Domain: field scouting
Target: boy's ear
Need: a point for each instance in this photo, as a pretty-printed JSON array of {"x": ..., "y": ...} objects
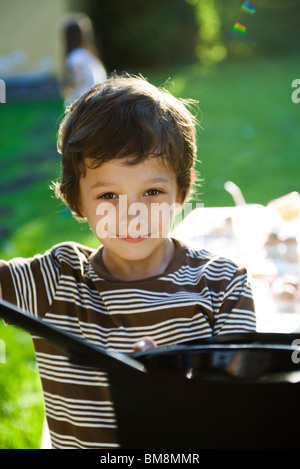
[
  {"x": 181, "y": 196},
  {"x": 81, "y": 211},
  {"x": 193, "y": 177},
  {"x": 80, "y": 207}
]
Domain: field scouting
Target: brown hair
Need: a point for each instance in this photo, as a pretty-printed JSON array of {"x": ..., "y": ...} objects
[
  {"x": 125, "y": 116},
  {"x": 77, "y": 32}
]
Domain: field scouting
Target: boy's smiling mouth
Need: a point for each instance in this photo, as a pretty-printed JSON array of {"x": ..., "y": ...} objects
[{"x": 134, "y": 239}]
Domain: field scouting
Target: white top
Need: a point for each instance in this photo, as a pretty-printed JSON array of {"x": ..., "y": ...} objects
[{"x": 84, "y": 70}]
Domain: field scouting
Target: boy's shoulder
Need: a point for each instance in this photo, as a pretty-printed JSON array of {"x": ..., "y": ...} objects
[
  {"x": 202, "y": 263},
  {"x": 202, "y": 256},
  {"x": 70, "y": 252},
  {"x": 71, "y": 246}
]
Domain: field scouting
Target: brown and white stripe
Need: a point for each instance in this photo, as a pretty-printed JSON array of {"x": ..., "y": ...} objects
[{"x": 199, "y": 295}]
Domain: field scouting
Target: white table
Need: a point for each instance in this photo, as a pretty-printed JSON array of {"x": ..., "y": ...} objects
[{"x": 239, "y": 234}]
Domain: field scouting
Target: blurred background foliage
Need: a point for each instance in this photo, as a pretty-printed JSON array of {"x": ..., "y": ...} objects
[{"x": 159, "y": 33}]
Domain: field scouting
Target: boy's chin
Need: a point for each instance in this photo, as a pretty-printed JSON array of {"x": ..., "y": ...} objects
[{"x": 132, "y": 247}]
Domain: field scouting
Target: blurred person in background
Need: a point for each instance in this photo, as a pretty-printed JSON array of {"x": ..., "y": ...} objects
[{"x": 82, "y": 64}]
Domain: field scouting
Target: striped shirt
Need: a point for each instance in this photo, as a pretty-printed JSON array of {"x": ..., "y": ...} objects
[{"x": 198, "y": 296}]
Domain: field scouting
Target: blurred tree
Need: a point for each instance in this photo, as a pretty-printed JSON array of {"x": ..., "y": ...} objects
[
  {"x": 210, "y": 47},
  {"x": 155, "y": 33},
  {"x": 139, "y": 33},
  {"x": 271, "y": 27},
  {"x": 275, "y": 28}
]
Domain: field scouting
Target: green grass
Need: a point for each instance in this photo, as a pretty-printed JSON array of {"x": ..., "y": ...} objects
[
  {"x": 33, "y": 220},
  {"x": 251, "y": 136},
  {"x": 21, "y": 409},
  {"x": 251, "y": 127}
]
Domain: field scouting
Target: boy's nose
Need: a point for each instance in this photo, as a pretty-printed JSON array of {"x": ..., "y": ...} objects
[
  {"x": 133, "y": 199},
  {"x": 130, "y": 206},
  {"x": 132, "y": 210}
]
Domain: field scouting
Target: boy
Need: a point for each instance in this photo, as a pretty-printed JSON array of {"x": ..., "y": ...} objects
[{"x": 126, "y": 147}]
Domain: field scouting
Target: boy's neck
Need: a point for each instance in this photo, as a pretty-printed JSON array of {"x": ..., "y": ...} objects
[{"x": 126, "y": 270}]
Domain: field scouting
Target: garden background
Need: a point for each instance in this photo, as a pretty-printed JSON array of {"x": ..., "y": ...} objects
[{"x": 237, "y": 59}]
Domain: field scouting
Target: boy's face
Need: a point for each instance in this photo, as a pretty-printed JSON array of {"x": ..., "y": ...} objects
[{"x": 130, "y": 208}]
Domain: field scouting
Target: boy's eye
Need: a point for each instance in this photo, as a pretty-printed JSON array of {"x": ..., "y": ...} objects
[
  {"x": 152, "y": 192},
  {"x": 108, "y": 196}
]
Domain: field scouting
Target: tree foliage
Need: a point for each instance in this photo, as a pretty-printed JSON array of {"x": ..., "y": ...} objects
[
  {"x": 155, "y": 33},
  {"x": 139, "y": 33}
]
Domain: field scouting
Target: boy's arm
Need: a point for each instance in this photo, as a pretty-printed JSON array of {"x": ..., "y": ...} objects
[
  {"x": 237, "y": 311},
  {"x": 23, "y": 284},
  {"x": 8, "y": 285}
]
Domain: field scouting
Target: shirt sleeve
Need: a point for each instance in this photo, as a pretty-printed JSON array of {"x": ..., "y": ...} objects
[
  {"x": 29, "y": 283},
  {"x": 236, "y": 313}
]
